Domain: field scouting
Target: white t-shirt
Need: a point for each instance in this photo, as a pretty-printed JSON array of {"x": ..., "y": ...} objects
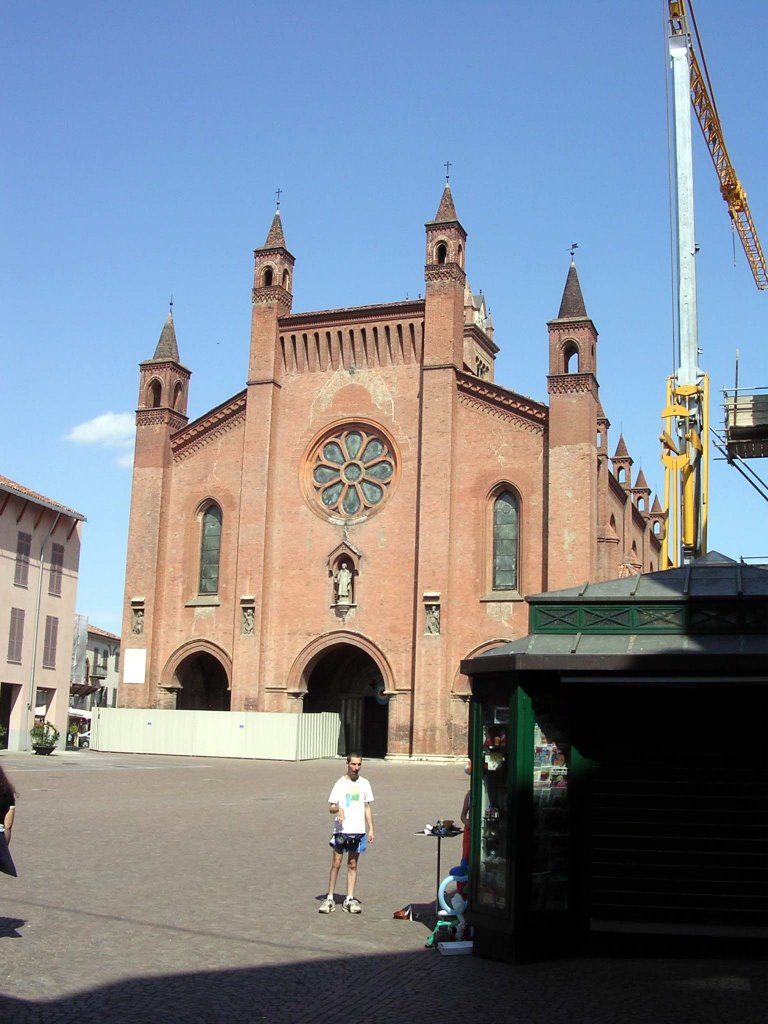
[{"x": 352, "y": 798}]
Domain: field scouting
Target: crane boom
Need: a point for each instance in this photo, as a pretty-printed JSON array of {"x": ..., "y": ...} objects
[{"x": 709, "y": 121}]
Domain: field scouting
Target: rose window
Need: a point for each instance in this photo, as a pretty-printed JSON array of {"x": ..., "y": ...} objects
[{"x": 352, "y": 471}]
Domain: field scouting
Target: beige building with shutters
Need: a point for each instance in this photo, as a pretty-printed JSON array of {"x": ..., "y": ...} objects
[{"x": 39, "y": 562}]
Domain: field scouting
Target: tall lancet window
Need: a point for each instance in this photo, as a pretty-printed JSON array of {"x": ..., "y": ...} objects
[
  {"x": 505, "y": 533},
  {"x": 210, "y": 549}
]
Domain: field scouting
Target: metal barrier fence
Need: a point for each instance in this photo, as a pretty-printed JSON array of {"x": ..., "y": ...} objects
[{"x": 249, "y": 734}]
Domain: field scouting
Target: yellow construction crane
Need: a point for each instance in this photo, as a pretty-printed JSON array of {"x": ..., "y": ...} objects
[
  {"x": 705, "y": 108},
  {"x": 685, "y": 437}
]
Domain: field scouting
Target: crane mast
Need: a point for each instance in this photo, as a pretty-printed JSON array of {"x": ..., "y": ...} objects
[{"x": 684, "y": 438}]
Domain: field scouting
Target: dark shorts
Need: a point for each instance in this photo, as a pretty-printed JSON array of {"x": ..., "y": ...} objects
[
  {"x": 348, "y": 842},
  {"x": 6, "y": 861}
]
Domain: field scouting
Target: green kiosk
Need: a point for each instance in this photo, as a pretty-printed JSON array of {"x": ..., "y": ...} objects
[{"x": 620, "y": 779}]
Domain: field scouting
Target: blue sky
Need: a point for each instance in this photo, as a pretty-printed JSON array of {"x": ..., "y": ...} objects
[{"x": 144, "y": 142}]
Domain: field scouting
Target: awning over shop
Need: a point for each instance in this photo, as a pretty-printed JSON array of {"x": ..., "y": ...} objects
[
  {"x": 79, "y": 713},
  {"x": 84, "y": 689}
]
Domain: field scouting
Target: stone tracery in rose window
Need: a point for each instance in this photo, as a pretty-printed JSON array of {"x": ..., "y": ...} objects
[{"x": 352, "y": 471}]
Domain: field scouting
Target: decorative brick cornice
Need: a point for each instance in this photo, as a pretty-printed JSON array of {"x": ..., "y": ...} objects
[
  {"x": 571, "y": 383},
  {"x": 444, "y": 227},
  {"x": 406, "y": 310},
  {"x": 567, "y": 324},
  {"x": 161, "y": 417},
  {"x": 199, "y": 433},
  {"x": 497, "y": 412},
  {"x": 263, "y": 255},
  {"x": 493, "y": 399},
  {"x": 444, "y": 272},
  {"x": 272, "y": 295},
  {"x": 151, "y": 366}
]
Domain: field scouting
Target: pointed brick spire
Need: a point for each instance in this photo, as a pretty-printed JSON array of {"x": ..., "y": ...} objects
[
  {"x": 572, "y": 304},
  {"x": 446, "y": 211},
  {"x": 167, "y": 349},
  {"x": 656, "y": 508},
  {"x": 275, "y": 238},
  {"x": 641, "y": 482},
  {"x": 621, "y": 449}
]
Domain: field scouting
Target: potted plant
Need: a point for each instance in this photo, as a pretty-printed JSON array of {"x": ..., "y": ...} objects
[{"x": 44, "y": 737}]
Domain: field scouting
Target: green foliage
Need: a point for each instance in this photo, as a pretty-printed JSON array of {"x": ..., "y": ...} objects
[{"x": 44, "y": 734}]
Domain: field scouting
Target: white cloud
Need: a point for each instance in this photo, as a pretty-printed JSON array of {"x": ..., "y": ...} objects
[{"x": 110, "y": 430}]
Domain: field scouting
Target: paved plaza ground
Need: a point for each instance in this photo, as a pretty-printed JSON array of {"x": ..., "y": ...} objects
[{"x": 156, "y": 889}]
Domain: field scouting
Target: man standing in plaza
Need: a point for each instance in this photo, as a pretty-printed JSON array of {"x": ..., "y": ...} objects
[{"x": 350, "y": 803}]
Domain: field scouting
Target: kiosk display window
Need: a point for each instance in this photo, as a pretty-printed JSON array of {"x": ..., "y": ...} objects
[
  {"x": 492, "y": 888},
  {"x": 549, "y": 879}
]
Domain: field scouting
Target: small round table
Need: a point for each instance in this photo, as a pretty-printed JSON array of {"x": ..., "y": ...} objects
[{"x": 440, "y": 834}]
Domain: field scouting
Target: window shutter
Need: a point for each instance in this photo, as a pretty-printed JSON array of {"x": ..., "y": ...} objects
[
  {"x": 23, "y": 550},
  {"x": 57, "y": 566},
  {"x": 51, "y": 637},
  {"x": 16, "y": 635}
]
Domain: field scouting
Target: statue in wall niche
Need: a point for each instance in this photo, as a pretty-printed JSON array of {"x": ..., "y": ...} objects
[
  {"x": 432, "y": 618},
  {"x": 343, "y": 581},
  {"x": 137, "y": 626},
  {"x": 249, "y": 617}
]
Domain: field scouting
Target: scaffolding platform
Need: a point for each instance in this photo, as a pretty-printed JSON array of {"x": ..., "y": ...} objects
[{"x": 746, "y": 424}]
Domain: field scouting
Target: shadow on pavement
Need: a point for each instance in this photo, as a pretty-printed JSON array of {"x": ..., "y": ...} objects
[
  {"x": 423, "y": 987},
  {"x": 9, "y": 927}
]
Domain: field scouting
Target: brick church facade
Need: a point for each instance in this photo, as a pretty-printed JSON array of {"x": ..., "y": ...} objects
[{"x": 369, "y": 510}]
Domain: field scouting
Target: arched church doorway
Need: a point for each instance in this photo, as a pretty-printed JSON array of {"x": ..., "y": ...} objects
[
  {"x": 202, "y": 682},
  {"x": 346, "y": 680}
]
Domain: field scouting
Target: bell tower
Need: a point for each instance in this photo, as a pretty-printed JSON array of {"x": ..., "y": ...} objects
[
  {"x": 272, "y": 297},
  {"x": 162, "y": 410},
  {"x": 164, "y": 382},
  {"x": 574, "y": 405},
  {"x": 445, "y": 279},
  {"x": 572, "y": 335},
  {"x": 443, "y": 356}
]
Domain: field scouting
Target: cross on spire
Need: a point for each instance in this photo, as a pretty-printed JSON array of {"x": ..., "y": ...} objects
[
  {"x": 278, "y": 193},
  {"x": 574, "y": 247},
  {"x": 447, "y": 166},
  {"x": 170, "y": 310}
]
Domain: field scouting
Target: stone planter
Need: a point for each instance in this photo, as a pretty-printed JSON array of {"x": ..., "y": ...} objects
[{"x": 42, "y": 750}]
